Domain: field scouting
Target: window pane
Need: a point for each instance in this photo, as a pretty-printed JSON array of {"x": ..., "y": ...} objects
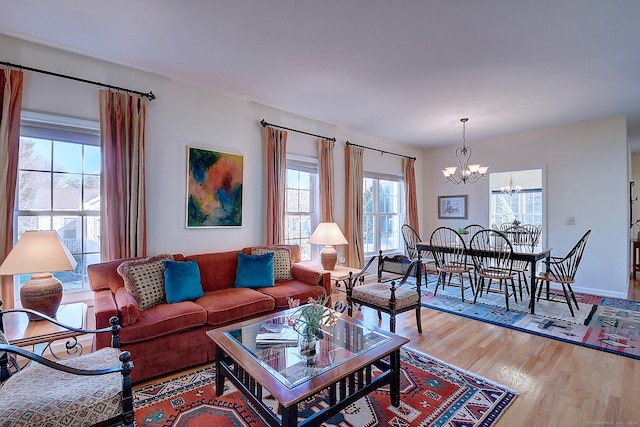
[
  {"x": 369, "y": 191},
  {"x": 91, "y": 195},
  {"x": 67, "y": 157},
  {"x": 34, "y": 190},
  {"x": 67, "y": 191},
  {"x": 35, "y": 154},
  {"x": 304, "y": 201},
  {"x": 92, "y": 159},
  {"x": 292, "y": 200},
  {"x": 92, "y": 233},
  {"x": 369, "y": 233},
  {"x": 26, "y": 223}
]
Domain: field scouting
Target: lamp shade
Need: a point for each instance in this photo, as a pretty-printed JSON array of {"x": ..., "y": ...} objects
[
  {"x": 39, "y": 253},
  {"x": 328, "y": 233}
]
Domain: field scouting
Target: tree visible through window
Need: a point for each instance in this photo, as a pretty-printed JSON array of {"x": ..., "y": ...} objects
[
  {"x": 59, "y": 189},
  {"x": 300, "y": 216},
  {"x": 382, "y": 206}
]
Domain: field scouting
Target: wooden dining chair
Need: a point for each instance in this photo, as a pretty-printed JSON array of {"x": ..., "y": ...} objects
[
  {"x": 449, "y": 252},
  {"x": 491, "y": 262},
  {"x": 525, "y": 238},
  {"x": 562, "y": 270},
  {"x": 411, "y": 238}
]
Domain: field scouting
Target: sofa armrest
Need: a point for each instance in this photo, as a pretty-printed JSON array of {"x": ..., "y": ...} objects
[
  {"x": 312, "y": 276},
  {"x": 104, "y": 308},
  {"x": 127, "y": 307}
]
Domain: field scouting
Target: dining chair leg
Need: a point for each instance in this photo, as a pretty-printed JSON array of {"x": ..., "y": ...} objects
[
  {"x": 461, "y": 287},
  {"x": 380, "y": 316},
  {"x": 573, "y": 296},
  {"x": 506, "y": 294},
  {"x": 392, "y": 323},
  {"x": 568, "y": 298},
  {"x": 419, "y": 320},
  {"x": 513, "y": 287}
]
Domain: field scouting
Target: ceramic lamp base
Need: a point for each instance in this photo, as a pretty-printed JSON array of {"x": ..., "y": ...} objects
[
  {"x": 328, "y": 257},
  {"x": 43, "y": 293}
]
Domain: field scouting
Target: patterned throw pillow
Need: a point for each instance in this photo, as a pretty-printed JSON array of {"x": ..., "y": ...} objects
[
  {"x": 144, "y": 279},
  {"x": 281, "y": 260}
]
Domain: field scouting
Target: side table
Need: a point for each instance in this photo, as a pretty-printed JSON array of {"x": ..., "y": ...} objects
[
  {"x": 339, "y": 275},
  {"x": 22, "y": 333}
]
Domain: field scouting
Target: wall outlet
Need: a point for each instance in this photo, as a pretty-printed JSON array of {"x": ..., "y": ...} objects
[{"x": 570, "y": 220}]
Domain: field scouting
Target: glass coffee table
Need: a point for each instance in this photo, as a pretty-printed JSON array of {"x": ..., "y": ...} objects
[{"x": 342, "y": 366}]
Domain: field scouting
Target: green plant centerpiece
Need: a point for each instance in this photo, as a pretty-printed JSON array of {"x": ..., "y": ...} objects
[
  {"x": 309, "y": 320},
  {"x": 515, "y": 223},
  {"x": 462, "y": 231}
]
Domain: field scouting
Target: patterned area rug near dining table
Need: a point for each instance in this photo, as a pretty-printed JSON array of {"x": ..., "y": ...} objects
[
  {"x": 603, "y": 323},
  {"x": 433, "y": 393}
]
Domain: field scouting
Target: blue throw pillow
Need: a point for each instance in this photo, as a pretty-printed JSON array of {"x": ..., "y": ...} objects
[
  {"x": 182, "y": 281},
  {"x": 255, "y": 271}
]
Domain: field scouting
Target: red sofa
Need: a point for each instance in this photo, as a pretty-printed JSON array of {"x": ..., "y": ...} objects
[{"x": 169, "y": 337}]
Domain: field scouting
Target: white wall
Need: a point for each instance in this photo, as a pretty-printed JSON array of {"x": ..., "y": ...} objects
[
  {"x": 185, "y": 115},
  {"x": 586, "y": 177}
]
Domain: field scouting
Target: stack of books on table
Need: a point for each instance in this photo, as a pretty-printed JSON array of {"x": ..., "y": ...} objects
[{"x": 271, "y": 334}]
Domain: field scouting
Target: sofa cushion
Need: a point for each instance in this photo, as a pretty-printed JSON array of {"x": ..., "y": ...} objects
[
  {"x": 144, "y": 279},
  {"x": 254, "y": 271},
  {"x": 294, "y": 289},
  {"x": 182, "y": 281},
  {"x": 232, "y": 304},
  {"x": 217, "y": 270},
  {"x": 281, "y": 260},
  {"x": 164, "y": 319}
]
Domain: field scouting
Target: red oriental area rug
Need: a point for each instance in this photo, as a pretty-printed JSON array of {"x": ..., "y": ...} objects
[{"x": 432, "y": 393}]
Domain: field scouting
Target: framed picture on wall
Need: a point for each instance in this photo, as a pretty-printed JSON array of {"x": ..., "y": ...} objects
[
  {"x": 452, "y": 207},
  {"x": 214, "y": 188}
]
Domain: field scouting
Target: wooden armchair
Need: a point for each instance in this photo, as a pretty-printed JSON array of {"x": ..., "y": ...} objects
[
  {"x": 92, "y": 389},
  {"x": 389, "y": 297}
]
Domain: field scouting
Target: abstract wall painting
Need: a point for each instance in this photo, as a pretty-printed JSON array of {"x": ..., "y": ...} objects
[{"x": 214, "y": 188}]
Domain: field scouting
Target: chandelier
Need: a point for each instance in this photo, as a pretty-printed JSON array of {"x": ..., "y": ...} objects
[
  {"x": 467, "y": 173},
  {"x": 510, "y": 189}
]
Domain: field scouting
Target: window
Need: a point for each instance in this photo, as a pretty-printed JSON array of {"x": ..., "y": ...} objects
[
  {"x": 525, "y": 206},
  {"x": 383, "y": 201},
  {"x": 301, "y": 217},
  {"x": 59, "y": 189}
]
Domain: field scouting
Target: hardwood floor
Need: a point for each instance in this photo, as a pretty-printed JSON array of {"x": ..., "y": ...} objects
[{"x": 559, "y": 384}]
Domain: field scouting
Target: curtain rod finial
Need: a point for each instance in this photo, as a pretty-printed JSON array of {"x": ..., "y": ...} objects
[{"x": 263, "y": 123}]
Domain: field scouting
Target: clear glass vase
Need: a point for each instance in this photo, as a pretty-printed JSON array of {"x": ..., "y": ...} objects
[{"x": 307, "y": 345}]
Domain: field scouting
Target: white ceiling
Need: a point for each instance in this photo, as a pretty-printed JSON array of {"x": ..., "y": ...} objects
[{"x": 403, "y": 70}]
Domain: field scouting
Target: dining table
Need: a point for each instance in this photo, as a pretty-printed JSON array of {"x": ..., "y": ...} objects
[{"x": 520, "y": 253}]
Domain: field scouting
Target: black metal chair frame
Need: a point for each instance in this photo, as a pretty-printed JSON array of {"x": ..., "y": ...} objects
[
  {"x": 8, "y": 353},
  {"x": 391, "y": 308}
]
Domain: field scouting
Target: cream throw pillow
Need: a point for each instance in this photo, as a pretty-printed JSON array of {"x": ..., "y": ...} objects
[
  {"x": 144, "y": 279},
  {"x": 281, "y": 261}
]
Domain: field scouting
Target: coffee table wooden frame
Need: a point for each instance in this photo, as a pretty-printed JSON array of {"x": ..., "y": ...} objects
[{"x": 348, "y": 381}]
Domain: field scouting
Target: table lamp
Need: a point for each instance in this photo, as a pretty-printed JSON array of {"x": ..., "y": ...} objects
[
  {"x": 39, "y": 253},
  {"x": 329, "y": 235}
]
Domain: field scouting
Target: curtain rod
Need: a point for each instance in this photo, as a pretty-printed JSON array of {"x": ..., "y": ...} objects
[
  {"x": 149, "y": 95},
  {"x": 265, "y": 124},
  {"x": 380, "y": 151}
]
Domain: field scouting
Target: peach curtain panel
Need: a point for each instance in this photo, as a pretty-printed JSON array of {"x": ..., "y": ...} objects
[
  {"x": 411, "y": 194},
  {"x": 11, "y": 101},
  {"x": 123, "y": 210},
  {"x": 354, "y": 200},
  {"x": 326, "y": 171},
  {"x": 275, "y": 150}
]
